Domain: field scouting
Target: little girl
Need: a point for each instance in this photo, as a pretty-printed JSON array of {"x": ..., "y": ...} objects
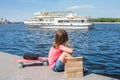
[{"x": 59, "y": 51}]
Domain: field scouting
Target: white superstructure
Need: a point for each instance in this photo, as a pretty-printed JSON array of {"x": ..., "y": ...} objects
[{"x": 62, "y": 19}]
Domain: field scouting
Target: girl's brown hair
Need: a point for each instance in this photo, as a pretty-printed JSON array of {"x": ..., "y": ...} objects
[{"x": 61, "y": 37}]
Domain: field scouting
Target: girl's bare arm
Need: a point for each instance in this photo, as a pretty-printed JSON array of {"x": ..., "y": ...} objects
[{"x": 67, "y": 49}]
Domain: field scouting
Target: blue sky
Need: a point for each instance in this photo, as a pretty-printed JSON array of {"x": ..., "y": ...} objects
[{"x": 19, "y": 10}]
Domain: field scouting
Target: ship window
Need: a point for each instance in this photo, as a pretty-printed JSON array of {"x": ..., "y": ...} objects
[
  {"x": 60, "y": 21},
  {"x": 75, "y": 21},
  {"x": 40, "y": 19},
  {"x": 82, "y": 21}
]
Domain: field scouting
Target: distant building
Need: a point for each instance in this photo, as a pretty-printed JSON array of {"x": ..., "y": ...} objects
[{"x": 4, "y": 21}]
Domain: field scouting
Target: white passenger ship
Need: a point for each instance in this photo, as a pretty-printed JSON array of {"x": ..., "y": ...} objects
[{"x": 61, "y": 19}]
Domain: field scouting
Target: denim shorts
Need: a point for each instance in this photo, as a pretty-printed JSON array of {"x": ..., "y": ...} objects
[{"x": 59, "y": 66}]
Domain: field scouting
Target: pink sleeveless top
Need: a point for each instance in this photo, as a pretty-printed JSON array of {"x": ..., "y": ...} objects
[{"x": 54, "y": 54}]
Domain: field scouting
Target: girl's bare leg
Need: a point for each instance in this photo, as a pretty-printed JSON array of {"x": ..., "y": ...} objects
[{"x": 63, "y": 57}]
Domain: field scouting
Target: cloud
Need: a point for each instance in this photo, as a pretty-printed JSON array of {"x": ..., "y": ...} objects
[{"x": 83, "y": 7}]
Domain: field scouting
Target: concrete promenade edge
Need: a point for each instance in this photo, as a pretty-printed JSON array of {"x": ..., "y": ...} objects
[{"x": 9, "y": 71}]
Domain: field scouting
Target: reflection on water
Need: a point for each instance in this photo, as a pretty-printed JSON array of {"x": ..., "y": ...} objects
[{"x": 99, "y": 46}]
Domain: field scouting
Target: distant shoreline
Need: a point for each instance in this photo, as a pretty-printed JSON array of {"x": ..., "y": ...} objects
[
  {"x": 106, "y": 22},
  {"x": 93, "y": 22},
  {"x": 13, "y": 23}
]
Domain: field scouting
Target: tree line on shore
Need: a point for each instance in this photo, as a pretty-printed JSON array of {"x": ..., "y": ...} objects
[{"x": 105, "y": 20}]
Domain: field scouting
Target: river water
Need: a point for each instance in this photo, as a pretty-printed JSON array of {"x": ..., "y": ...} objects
[{"x": 99, "y": 46}]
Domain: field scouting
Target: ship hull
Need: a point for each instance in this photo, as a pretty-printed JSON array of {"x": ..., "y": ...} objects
[{"x": 61, "y": 26}]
